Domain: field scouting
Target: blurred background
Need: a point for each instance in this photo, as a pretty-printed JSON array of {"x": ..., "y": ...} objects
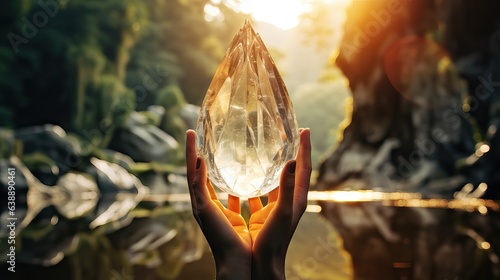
[{"x": 402, "y": 98}]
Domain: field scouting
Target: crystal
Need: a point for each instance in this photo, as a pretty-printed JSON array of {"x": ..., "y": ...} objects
[{"x": 247, "y": 129}]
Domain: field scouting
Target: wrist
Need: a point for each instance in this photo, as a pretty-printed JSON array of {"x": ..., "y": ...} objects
[
  {"x": 233, "y": 265},
  {"x": 272, "y": 268}
]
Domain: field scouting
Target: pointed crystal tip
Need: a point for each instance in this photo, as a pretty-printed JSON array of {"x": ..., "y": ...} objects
[
  {"x": 247, "y": 129},
  {"x": 247, "y": 25}
]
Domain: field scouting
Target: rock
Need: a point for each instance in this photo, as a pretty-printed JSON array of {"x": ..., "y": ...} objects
[
  {"x": 20, "y": 188},
  {"x": 121, "y": 192},
  {"x": 156, "y": 112},
  {"x": 80, "y": 192},
  {"x": 144, "y": 142},
  {"x": 53, "y": 236},
  {"x": 51, "y": 141},
  {"x": 189, "y": 114},
  {"x": 411, "y": 131}
]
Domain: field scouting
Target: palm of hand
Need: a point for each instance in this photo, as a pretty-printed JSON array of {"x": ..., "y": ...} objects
[
  {"x": 261, "y": 245},
  {"x": 248, "y": 234},
  {"x": 238, "y": 224},
  {"x": 258, "y": 220}
]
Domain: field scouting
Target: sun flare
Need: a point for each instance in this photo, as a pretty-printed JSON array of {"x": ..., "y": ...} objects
[{"x": 282, "y": 13}]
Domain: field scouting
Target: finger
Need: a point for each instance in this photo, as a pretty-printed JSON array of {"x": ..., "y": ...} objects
[
  {"x": 273, "y": 195},
  {"x": 214, "y": 197},
  {"x": 255, "y": 204},
  {"x": 213, "y": 194},
  {"x": 191, "y": 155},
  {"x": 199, "y": 186},
  {"x": 233, "y": 203},
  {"x": 286, "y": 189},
  {"x": 303, "y": 170},
  {"x": 191, "y": 190}
]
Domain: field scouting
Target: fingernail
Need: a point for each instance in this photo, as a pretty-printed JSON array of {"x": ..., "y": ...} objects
[
  {"x": 291, "y": 167},
  {"x": 308, "y": 132},
  {"x": 198, "y": 162}
]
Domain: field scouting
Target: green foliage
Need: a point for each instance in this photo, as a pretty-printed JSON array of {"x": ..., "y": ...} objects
[
  {"x": 58, "y": 64},
  {"x": 54, "y": 70},
  {"x": 319, "y": 23},
  {"x": 178, "y": 46},
  {"x": 172, "y": 99},
  {"x": 11, "y": 95},
  {"x": 320, "y": 107},
  {"x": 110, "y": 103},
  {"x": 11, "y": 11}
]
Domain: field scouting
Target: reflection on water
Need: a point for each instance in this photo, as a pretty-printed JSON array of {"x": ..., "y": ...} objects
[
  {"x": 95, "y": 225},
  {"x": 107, "y": 225},
  {"x": 399, "y": 199},
  {"x": 416, "y": 238}
]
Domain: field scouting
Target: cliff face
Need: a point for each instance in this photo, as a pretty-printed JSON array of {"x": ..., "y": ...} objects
[
  {"x": 425, "y": 80},
  {"x": 423, "y": 75}
]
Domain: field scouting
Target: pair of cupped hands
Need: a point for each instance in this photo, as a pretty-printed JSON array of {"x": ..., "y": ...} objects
[{"x": 256, "y": 250}]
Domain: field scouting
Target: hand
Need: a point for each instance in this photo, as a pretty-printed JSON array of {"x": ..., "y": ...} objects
[
  {"x": 224, "y": 228},
  {"x": 260, "y": 251},
  {"x": 272, "y": 227}
]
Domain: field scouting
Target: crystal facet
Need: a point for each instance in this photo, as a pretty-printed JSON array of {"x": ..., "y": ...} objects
[{"x": 247, "y": 129}]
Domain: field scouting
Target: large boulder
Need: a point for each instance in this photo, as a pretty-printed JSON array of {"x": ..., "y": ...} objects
[{"x": 425, "y": 82}]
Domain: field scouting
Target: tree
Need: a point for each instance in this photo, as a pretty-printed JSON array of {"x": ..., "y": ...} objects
[{"x": 178, "y": 46}]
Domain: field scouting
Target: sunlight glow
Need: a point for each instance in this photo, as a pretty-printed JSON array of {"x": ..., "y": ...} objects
[
  {"x": 311, "y": 208},
  {"x": 282, "y": 13},
  {"x": 211, "y": 12},
  {"x": 485, "y": 245}
]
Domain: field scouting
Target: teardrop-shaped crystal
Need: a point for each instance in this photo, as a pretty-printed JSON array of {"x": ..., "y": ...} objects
[{"x": 247, "y": 129}]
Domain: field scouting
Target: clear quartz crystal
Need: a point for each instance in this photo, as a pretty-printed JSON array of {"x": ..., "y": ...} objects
[{"x": 247, "y": 129}]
